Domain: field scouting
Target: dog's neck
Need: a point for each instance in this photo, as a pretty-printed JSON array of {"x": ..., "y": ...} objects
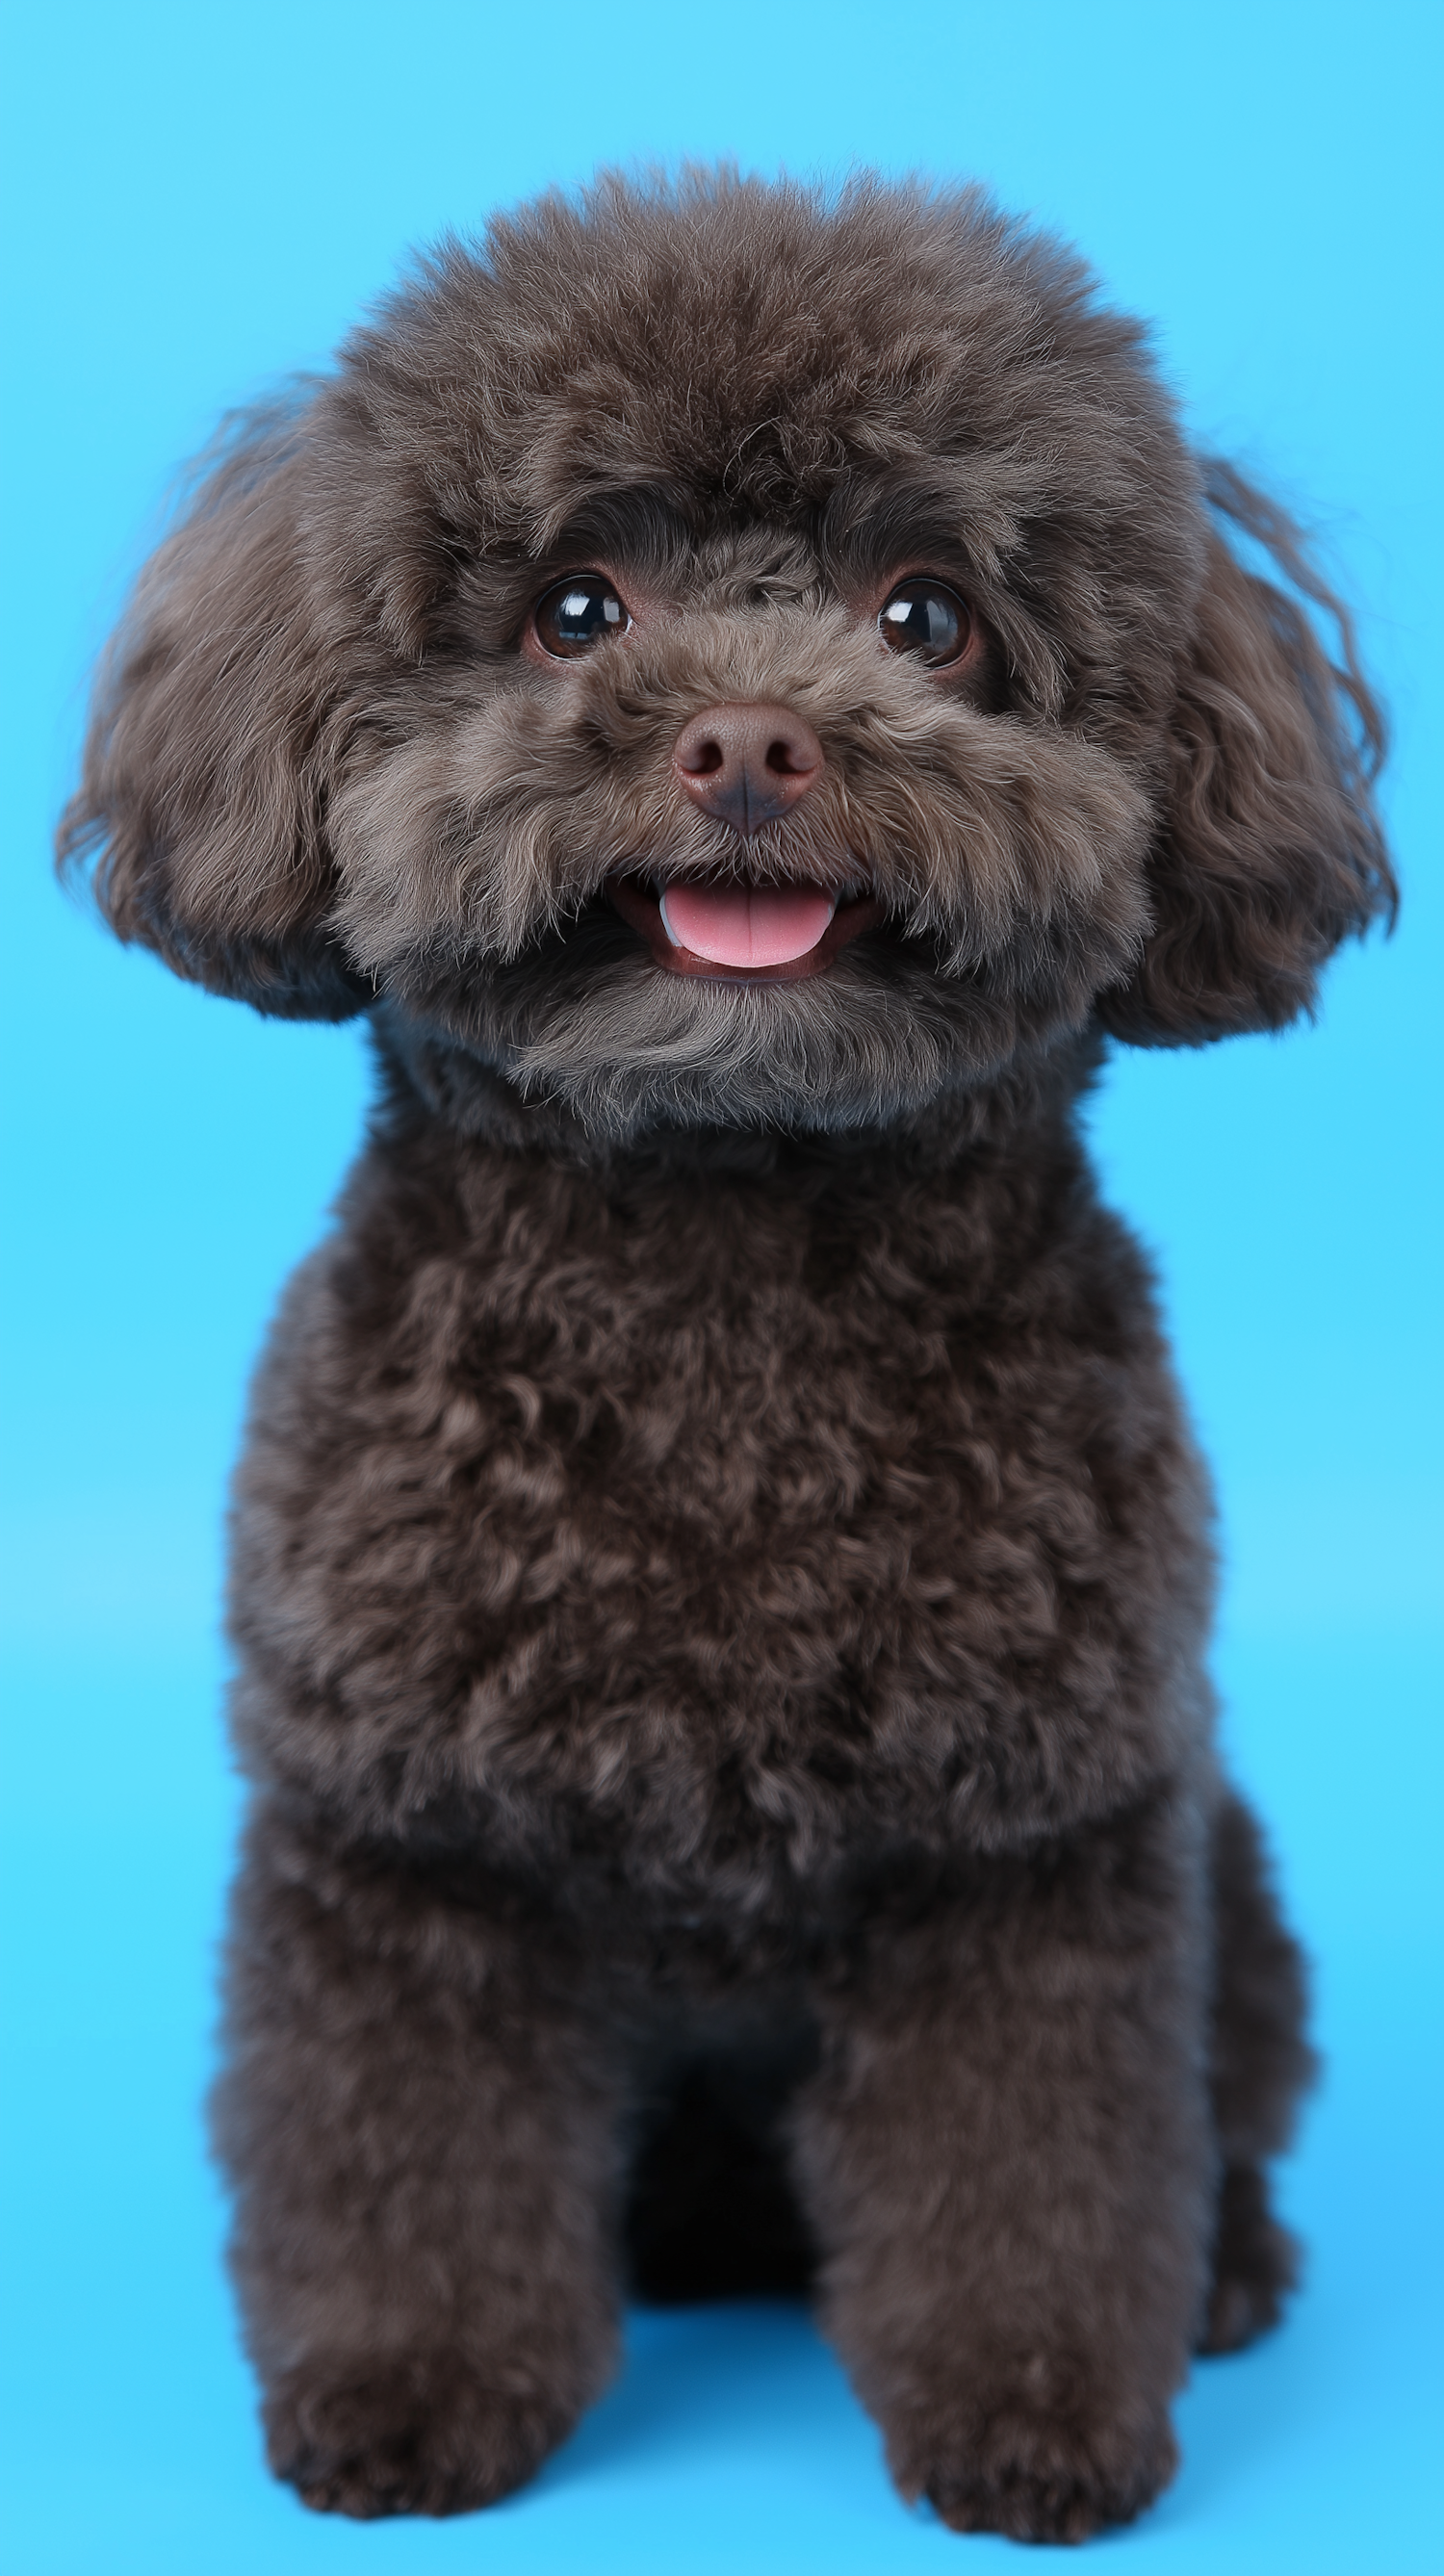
[{"x": 428, "y": 1079}]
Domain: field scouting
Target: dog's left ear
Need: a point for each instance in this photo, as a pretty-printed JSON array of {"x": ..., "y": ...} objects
[{"x": 1269, "y": 851}]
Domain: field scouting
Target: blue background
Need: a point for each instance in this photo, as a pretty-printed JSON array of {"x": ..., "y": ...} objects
[{"x": 203, "y": 200}]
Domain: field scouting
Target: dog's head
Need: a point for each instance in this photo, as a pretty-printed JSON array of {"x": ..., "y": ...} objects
[{"x": 720, "y": 657}]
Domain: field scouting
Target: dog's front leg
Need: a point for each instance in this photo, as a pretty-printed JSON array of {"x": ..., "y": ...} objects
[
  {"x": 1007, "y": 2161},
  {"x": 420, "y": 2135}
]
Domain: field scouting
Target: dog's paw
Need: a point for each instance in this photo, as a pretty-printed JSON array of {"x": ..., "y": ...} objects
[
  {"x": 1037, "y": 2476},
  {"x": 1255, "y": 2265},
  {"x": 420, "y": 2437}
]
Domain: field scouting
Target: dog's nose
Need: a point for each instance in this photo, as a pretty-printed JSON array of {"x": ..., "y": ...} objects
[{"x": 747, "y": 764}]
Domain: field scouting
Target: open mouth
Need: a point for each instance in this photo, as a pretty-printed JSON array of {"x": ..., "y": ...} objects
[{"x": 739, "y": 933}]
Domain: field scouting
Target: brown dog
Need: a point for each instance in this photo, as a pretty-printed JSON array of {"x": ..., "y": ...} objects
[{"x": 749, "y": 694}]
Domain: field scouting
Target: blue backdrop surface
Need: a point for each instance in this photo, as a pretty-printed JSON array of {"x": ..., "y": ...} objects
[{"x": 202, "y": 201}]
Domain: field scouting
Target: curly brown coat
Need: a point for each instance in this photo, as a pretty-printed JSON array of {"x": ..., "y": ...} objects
[{"x": 721, "y": 1574}]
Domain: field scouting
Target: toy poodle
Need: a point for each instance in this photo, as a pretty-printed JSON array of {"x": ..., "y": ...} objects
[{"x": 750, "y": 692}]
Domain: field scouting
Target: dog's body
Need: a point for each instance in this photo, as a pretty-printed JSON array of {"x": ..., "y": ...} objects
[{"x": 721, "y": 1575}]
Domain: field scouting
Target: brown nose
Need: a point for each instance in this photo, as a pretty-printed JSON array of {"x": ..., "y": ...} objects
[{"x": 747, "y": 764}]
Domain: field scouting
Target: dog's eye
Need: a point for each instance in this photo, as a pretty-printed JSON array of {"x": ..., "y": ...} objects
[
  {"x": 923, "y": 616},
  {"x": 578, "y": 613}
]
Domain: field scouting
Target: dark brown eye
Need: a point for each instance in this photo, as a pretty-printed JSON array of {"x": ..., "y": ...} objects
[
  {"x": 923, "y": 616},
  {"x": 578, "y": 613}
]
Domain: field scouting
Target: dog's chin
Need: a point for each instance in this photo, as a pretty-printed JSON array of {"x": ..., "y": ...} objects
[{"x": 590, "y": 1025}]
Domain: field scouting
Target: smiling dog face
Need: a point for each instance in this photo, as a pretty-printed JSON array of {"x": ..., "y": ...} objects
[{"x": 717, "y": 657}]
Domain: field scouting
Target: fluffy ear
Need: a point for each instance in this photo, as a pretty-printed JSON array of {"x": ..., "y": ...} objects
[
  {"x": 221, "y": 716},
  {"x": 1269, "y": 852}
]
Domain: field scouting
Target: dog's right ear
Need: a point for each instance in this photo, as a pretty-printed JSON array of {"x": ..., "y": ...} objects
[{"x": 221, "y": 717}]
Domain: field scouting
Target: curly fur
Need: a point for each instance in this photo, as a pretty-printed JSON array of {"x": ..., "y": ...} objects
[{"x": 721, "y": 1575}]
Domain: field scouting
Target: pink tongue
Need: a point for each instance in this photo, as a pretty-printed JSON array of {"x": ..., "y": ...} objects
[{"x": 746, "y": 925}]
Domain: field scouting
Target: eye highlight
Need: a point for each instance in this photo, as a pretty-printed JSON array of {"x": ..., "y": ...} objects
[
  {"x": 578, "y": 613},
  {"x": 923, "y": 616}
]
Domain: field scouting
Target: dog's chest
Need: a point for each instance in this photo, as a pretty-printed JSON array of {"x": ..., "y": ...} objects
[
  {"x": 717, "y": 1522},
  {"x": 706, "y": 1461}
]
